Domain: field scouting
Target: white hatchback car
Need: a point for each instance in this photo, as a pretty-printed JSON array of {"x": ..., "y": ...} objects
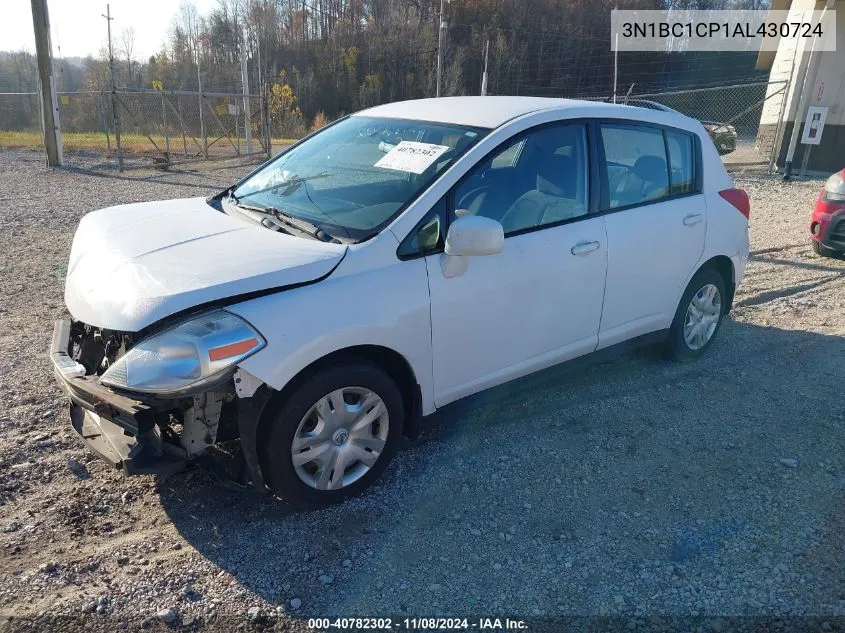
[{"x": 393, "y": 262}]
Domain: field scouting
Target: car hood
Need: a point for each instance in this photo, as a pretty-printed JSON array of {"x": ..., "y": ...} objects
[{"x": 134, "y": 264}]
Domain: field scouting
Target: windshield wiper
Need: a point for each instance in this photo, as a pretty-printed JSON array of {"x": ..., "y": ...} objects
[
  {"x": 302, "y": 225},
  {"x": 247, "y": 206},
  {"x": 288, "y": 220},
  {"x": 288, "y": 186}
]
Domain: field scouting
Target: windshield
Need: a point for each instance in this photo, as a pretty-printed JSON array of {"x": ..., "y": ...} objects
[{"x": 353, "y": 178}]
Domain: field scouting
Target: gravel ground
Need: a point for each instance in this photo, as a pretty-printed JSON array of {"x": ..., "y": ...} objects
[{"x": 635, "y": 489}]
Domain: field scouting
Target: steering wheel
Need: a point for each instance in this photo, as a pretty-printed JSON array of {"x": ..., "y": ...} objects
[{"x": 466, "y": 200}]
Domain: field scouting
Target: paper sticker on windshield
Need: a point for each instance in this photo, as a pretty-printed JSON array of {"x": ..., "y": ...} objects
[{"x": 411, "y": 157}]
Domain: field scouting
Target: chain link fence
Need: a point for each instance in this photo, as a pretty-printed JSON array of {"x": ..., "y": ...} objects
[
  {"x": 165, "y": 128},
  {"x": 174, "y": 127},
  {"x": 730, "y": 114},
  {"x": 20, "y": 112},
  {"x": 159, "y": 128}
]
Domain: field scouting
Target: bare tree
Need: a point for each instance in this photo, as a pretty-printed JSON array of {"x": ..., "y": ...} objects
[
  {"x": 127, "y": 43},
  {"x": 25, "y": 70},
  {"x": 340, "y": 55}
]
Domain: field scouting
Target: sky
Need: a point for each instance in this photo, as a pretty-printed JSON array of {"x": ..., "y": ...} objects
[{"x": 78, "y": 28}]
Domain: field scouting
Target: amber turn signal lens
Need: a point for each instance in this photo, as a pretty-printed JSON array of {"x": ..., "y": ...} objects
[{"x": 232, "y": 349}]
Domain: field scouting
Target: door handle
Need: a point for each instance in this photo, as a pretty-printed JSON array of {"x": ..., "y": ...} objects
[
  {"x": 693, "y": 219},
  {"x": 582, "y": 248}
]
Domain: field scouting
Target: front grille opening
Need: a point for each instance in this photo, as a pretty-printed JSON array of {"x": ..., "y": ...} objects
[
  {"x": 837, "y": 231},
  {"x": 97, "y": 349}
]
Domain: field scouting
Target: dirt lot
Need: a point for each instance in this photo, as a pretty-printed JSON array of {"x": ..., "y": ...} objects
[{"x": 635, "y": 488}]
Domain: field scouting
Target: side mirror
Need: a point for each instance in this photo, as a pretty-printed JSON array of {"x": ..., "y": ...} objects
[{"x": 472, "y": 235}]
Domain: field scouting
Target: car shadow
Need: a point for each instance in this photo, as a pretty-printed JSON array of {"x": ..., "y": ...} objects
[
  {"x": 642, "y": 431},
  {"x": 822, "y": 264}
]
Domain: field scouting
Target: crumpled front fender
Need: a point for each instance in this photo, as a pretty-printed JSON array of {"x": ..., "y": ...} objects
[{"x": 250, "y": 412}]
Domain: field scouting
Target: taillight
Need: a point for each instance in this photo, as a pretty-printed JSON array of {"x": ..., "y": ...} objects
[{"x": 739, "y": 199}]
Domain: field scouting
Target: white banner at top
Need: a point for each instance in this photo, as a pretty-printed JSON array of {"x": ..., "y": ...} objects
[{"x": 727, "y": 30}]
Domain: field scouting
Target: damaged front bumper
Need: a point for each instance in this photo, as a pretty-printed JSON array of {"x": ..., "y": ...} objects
[
  {"x": 120, "y": 429},
  {"x": 135, "y": 433},
  {"x": 134, "y": 455}
]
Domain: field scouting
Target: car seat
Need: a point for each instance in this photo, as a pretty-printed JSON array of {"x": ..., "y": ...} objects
[
  {"x": 553, "y": 199},
  {"x": 648, "y": 179}
]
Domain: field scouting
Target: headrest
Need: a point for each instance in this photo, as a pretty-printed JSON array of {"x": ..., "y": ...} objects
[
  {"x": 651, "y": 168},
  {"x": 556, "y": 176}
]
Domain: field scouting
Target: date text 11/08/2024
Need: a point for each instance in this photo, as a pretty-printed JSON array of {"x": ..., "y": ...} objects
[{"x": 420, "y": 624}]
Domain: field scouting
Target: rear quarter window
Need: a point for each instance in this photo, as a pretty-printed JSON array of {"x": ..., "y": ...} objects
[{"x": 681, "y": 162}]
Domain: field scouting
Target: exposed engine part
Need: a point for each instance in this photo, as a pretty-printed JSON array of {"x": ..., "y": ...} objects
[
  {"x": 91, "y": 353},
  {"x": 96, "y": 349},
  {"x": 200, "y": 422},
  {"x": 113, "y": 352}
]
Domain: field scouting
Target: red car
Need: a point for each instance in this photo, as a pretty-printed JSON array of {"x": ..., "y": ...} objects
[{"x": 827, "y": 227}]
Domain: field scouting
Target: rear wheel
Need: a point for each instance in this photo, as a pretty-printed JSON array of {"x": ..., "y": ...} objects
[
  {"x": 822, "y": 250},
  {"x": 698, "y": 317},
  {"x": 334, "y": 434}
]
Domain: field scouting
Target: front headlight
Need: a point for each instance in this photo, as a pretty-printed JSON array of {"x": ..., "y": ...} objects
[
  {"x": 186, "y": 356},
  {"x": 834, "y": 188}
]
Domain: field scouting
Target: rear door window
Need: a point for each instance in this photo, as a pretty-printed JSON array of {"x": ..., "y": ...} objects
[{"x": 637, "y": 169}]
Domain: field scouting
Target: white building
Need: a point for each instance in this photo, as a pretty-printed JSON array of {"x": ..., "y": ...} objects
[{"x": 828, "y": 89}]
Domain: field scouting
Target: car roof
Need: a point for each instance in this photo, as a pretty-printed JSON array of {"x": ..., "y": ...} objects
[{"x": 489, "y": 112}]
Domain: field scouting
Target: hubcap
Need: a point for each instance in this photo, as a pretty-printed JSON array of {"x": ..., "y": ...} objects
[
  {"x": 340, "y": 438},
  {"x": 702, "y": 317}
]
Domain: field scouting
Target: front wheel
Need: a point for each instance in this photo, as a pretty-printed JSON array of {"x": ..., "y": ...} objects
[
  {"x": 334, "y": 434},
  {"x": 698, "y": 316}
]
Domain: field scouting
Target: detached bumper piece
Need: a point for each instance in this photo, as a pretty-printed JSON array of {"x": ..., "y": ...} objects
[
  {"x": 133, "y": 455},
  {"x": 120, "y": 429}
]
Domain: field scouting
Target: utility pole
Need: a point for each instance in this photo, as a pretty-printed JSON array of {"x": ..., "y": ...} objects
[
  {"x": 615, "y": 66},
  {"x": 245, "y": 82},
  {"x": 199, "y": 87},
  {"x": 47, "y": 85},
  {"x": 61, "y": 66},
  {"x": 441, "y": 29},
  {"x": 114, "y": 112},
  {"x": 484, "y": 76},
  {"x": 258, "y": 58}
]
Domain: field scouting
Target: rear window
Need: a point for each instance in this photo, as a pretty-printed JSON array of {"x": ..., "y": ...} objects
[
  {"x": 647, "y": 164},
  {"x": 637, "y": 169}
]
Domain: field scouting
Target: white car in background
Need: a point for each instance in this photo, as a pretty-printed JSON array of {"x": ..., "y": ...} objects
[{"x": 392, "y": 263}]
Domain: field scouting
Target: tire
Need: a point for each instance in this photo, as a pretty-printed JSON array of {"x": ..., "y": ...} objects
[
  {"x": 677, "y": 345},
  {"x": 354, "y": 378},
  {"x": 823, "y": 251}
]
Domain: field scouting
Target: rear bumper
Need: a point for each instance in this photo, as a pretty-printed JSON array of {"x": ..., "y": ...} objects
[{"x": 119, "y": 428}]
